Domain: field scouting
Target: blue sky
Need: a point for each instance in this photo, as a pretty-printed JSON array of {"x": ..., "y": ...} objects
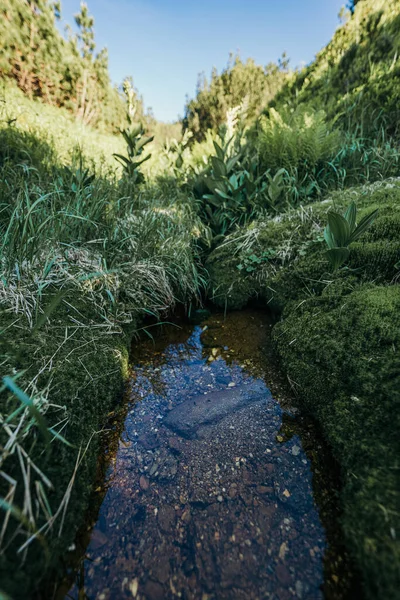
[{"x": 165, "y": 44}]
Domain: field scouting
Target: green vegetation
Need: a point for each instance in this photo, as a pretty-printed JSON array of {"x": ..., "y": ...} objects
[
  {"x": 239, "y": 208},
  {"x": 342, "y": 231},
  {"x": 254, "y": 84},
  {"x": 355, "y": 78}
]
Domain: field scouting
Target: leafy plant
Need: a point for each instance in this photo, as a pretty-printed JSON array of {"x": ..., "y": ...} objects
[
  {"x": 135, "y": 142},
  {"x": 276, "y": 186},
  {"x": 341, "y": 231},
  {"x": 78, "y": 181},
  {"x": 230, "y": 188},
  {"x": 175, "y": 152},
  {"x": 251, "y": 262}
]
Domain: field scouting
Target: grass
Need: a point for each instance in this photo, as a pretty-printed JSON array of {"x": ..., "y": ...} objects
[
  {"x": 58, "y": 128},
  {"x": 84, "y": 258}
]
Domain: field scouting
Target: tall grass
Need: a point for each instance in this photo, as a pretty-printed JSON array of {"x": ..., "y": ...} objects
[{"x": 82, "y": 258}]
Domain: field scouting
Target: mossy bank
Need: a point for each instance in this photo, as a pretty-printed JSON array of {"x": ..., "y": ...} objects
[
  {"x": 339, "y": 341},
  {"x": 87, "y": 376}
]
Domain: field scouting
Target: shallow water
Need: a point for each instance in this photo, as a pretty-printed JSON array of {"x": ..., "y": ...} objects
[{"x": 209, "y": 494}]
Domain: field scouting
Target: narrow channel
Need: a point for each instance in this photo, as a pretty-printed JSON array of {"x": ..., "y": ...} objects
[{"x": 212, "y": 491}]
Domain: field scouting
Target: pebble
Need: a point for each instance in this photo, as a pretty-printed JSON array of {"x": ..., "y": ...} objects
[{"x": 144, "y": 483}]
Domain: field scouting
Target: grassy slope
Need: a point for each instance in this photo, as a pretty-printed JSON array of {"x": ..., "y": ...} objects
[
  {"x": 113, "y": 255},
  {"x": 57, "y": 127},
  {"x": 357, "y": 75}
]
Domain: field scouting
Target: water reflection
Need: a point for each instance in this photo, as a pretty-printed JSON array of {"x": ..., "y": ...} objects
[{"x": 221, "y": 508}]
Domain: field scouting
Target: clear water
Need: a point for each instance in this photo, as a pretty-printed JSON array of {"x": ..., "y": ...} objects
[{"x": 211, "y": 500}]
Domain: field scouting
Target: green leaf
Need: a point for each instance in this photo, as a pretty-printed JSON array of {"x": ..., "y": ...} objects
[
  {"x": 218, "y": 167},
  {"x": 28, "y": 402},
  {"x": 213, "y": 200},
  {"x": 337, "y": 256},
  {"x": 339, "y": 228},
  {"x": 222, "y": 194},
  {"x": 219, "y": 151},
  {"x": 143, "y": 141},
  {"x": 233, "y": 180},
  {"x": 232, "y": 162},
  {"x": 120, "y": 158},
  {"x": 363, "y": 225},
  {"x": 329, "y": 238},
  {"x": 350, "y": 215},
  {"x": 135, "y": 131}
]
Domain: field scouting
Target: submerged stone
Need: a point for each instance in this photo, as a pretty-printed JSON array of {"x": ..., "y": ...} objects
[{"x": 212, "y": 407}]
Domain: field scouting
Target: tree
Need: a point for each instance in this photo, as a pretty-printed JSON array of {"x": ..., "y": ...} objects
[
  {"x": 60, "y": 71},
  {"x": 352, "y": 4},
  {"x": 31, "y": 45},
  {"x": 239, "y": 81}
]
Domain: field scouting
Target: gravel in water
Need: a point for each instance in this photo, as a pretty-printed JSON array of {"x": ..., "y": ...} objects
[{"x": 204, "y": 503}]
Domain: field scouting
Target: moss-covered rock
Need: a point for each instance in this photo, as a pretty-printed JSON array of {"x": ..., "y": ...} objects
[
  {"x": 342, "y": 351},
  {"x": 283, "y": 258}
]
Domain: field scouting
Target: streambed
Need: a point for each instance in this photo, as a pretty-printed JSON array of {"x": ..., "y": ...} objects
[{"x": 211, "y": 491}]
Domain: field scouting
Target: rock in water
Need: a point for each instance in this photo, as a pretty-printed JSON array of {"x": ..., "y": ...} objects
[{"x": 211, "y": 408}]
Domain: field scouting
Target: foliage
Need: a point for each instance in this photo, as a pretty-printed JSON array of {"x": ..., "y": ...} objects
[
  {"x": 176, "y": 151},
  {"x": 341, "y": 231},
  {"x": 221, "y": 191},
  {"x": 239, "y": 82},
  {"x": 312, "y": 156},
  {"x": 251, "y": 262},
  {"x": 355, "y": 78},
  {"x": 135, "y": 142},
  {"x": 60, "y": 72},
  {"x": 228, "y": 188},
  {"x": 297, "y": 267},
  {"x": 299, "y": 139}
]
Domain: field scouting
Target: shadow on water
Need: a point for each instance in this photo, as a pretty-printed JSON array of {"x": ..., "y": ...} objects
[{"x": 214, "y": 486}]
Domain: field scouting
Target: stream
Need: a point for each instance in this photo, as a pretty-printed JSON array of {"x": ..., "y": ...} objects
[{"x": 214, "y": 486}]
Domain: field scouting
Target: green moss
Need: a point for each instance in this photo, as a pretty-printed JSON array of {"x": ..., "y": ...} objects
[
  {"x": 299, "y": 268},
  {"x": 86, "y": 376},
  {"x": 342, "y": 353}
]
